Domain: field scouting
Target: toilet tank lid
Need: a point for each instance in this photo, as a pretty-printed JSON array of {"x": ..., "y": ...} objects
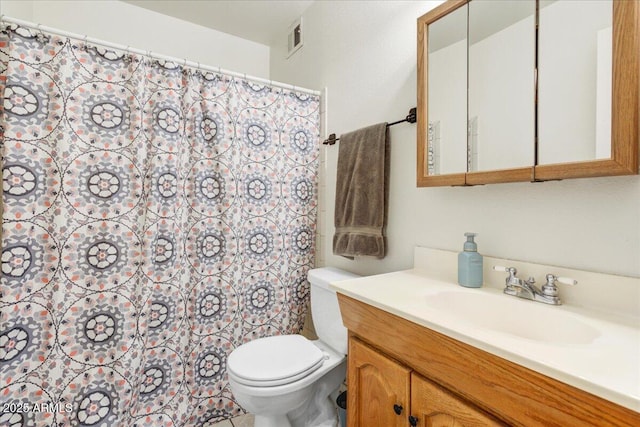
[{"x": 325, "y": 275}]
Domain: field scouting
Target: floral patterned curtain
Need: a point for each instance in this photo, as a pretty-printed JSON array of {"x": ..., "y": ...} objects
[{"x": 155, "y": 218}]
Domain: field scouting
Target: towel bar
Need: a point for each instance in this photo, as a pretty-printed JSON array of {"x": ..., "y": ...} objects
[{"x": 411, "y": 118}]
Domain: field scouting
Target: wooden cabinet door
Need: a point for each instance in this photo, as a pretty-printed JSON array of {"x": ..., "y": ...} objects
[
  {"x": 433, "y": 406},
  {"x": 378, "y": 387}
]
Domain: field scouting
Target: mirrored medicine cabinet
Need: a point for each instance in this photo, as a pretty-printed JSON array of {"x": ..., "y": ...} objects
[{"x": 528, "y": 90}]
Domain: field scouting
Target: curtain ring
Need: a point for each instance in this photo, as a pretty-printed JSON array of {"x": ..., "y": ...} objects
[
  {"x": 40, "y": 35},
  {"x": 185, "y": 69}
]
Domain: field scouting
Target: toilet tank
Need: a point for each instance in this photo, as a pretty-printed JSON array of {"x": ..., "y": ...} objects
[{"x": 327, "y": 320}]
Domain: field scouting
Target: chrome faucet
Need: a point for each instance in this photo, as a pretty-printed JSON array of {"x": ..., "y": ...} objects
[{"x": 526, "y": 288}]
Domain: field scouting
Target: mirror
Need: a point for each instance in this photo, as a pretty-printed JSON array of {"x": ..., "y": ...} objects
[
  {"x": 562, "y": 104},
  {"x": 574, "y": 81},
  {"x": 447, "y": 81},
  {"x": 598, "y": 132},
  {"x": 501, "y": 128}
]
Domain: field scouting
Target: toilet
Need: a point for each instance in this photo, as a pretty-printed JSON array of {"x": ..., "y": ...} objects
[{"x": 286, "y": 380}]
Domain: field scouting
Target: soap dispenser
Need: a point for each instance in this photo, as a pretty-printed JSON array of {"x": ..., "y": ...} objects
[{"x": 470, "y": 264}]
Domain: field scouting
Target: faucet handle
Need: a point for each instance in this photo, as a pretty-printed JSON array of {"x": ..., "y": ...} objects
[
  {"x": 567, "y": 281},
  {"x": 550, "y": 288},
  {"x": 512, "y": 279}
]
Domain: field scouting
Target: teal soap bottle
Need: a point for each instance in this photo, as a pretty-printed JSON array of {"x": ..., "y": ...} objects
[{"x": 470, "y": 264}]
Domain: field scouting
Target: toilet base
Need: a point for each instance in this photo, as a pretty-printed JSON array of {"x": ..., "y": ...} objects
[
  {"x": 271, "y": 421},
  {"x": 323, "y": 415},
  {"x": 320, "y": 410}
]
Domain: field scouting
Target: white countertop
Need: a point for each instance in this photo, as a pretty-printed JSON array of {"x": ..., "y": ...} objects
[{"x": 607, "y": 366}]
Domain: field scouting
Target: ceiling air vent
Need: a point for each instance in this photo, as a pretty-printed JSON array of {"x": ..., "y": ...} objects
[{"x": 295, "y": 37}]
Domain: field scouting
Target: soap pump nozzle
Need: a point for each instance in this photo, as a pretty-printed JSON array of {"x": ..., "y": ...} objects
[{"x": 470, "y": 245}]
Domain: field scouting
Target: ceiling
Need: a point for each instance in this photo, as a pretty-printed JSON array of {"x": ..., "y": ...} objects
[{"x": 261, "y": 21}]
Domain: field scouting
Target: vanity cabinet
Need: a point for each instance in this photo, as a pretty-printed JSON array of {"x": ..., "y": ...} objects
[
  {"x": 444, "y": 382},
  {"x": 432, "y": 405},
  {"x": 380, "y": 393},
  {"x": 384, "y": 392}
]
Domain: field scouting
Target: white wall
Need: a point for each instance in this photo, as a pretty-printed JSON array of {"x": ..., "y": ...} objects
[
  {"x": 129, "y": 25},
  {"x": 365, "y": 53}
]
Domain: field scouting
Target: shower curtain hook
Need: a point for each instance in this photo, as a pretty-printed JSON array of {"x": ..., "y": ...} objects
[
  {"x": 185, "y": 70},
  {"x": 128, "y": 59},
  {"x": 40, "y": 35}
]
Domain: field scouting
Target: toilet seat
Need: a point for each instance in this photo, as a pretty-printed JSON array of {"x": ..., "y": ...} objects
[{"x": 274, "y": 361}]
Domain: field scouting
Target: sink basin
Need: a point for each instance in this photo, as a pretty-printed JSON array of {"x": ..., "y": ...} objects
[{"x": 512, "y": 316}]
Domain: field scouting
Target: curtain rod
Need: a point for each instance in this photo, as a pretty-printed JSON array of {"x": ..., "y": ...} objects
[
  {"x": 411, "y": 118},
  {"x": 153, "y": 55}
]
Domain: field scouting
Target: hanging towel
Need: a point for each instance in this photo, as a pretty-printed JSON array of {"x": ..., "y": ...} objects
[{"x": 361, "y": 193}]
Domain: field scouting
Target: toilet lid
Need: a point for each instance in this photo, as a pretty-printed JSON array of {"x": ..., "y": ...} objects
[{"x": 275, "y": 360}]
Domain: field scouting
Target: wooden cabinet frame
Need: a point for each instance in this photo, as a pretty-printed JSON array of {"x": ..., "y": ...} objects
[
  {"x": 384, "y": 392},
  {"x": 372, "y": 374},
  {"x": 509, "y": 392},
  {"x": 625, "y": 115}
]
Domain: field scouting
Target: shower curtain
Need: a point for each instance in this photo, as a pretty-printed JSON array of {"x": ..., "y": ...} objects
[{"x": 155, "y": 218}]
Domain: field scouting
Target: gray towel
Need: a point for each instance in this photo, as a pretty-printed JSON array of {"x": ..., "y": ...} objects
[{"x": 361, "y": 193}]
